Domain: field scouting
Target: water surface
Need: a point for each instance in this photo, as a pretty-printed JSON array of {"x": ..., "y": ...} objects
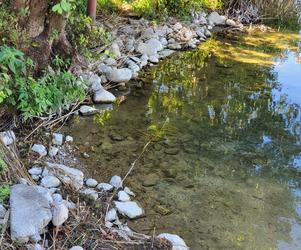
[{"x": 224, "y": 168}]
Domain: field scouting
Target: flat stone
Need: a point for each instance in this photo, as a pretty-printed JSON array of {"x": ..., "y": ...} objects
[
  {"x": 7, "y": 137},
  {"x": 123, "y": 196},
  {"x": 35, "y": 170},
  {"x": 71, "y": 176},
  {"x": 90, "y": 193},
  {"x": 40, "y": 149},
  {"x": 105, "y": 187},
  {"x": 129, "y": 208},
  {"x": 91, "y": 182},
  {"x": 30, "y": 212},
  {"x": 119, "y": 75},
  {"x": 57, "y": 139},
  {"x": 50, "y": 182},
  {"x": 111, "y": 215},
  {"x": 60, "y": 213},
  {"x": 53, "y": 151},
  {"x": 116, "y": 181},
  {"x": 86, "y": 110},
  {"x": 103, "y": 96},
  {"x": 177, "y": 242}
]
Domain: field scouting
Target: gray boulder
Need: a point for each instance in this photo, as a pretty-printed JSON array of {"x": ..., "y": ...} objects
[
  {"x": 105, "y": 187},
  {"x": 35, "y": 170},
  {"x": 149, "y": 48},
  {"x": 7, "y": 137},
  {"x": 67, "y": 175},
  {"x": 50, "y": 182},
  {"x": 119, "y": 75},
  {"x": 91, "y": 182},
  {"x": 116, "y": 181},
  {"x": 111, "y": 215},
  {"x": 30, "y": 212},
  {"x": 90, "y": 193},
  {"x": 123, "y": 196},
  {"x": 86, "y": 110},
  {"x": 60, "y": 213}
]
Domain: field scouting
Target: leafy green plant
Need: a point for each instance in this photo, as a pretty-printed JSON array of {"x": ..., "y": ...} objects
[
  {"x": 4, "y": 193},
  {"x": 51, "y": 93},
  {"x": 63, "y": 7}
]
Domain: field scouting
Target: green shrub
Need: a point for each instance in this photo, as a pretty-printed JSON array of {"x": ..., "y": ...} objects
[
  {"x": 50, "y": 93},
  {"x": 4, "y": 193}
]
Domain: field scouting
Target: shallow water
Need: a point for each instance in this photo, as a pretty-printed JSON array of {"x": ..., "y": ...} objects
[{"x": 224, "y": 168}]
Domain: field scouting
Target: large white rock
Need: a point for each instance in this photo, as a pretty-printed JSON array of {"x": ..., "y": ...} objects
[
  {"x": 30, "y": 212},
  {"x": 129, "y": 208},
  {"x": 71, "y": 176},
  {"x": 40, "y": 149},
  {"x": 50, "y": 182},
  {"x": 119, "y": 75},
  {"x": 57, "y": 139},
  {"x": 103, "y": 96},
  {"x": 177, "y": 242},
  {"x": 60, "y": 213},
  {"x": 7, "y": 137},
  {"x": 116, "y": 181},
  {"x": 216, "y": 19}
]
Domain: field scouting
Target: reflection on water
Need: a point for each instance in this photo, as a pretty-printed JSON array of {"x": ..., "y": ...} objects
[{"x": 224, "y": 170}]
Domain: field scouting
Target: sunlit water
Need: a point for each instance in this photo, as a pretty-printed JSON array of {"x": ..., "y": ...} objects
[{"x": 224, "y": 168}]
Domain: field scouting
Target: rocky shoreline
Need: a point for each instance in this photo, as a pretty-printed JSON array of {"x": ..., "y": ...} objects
[{"x": 38, "y": 203}]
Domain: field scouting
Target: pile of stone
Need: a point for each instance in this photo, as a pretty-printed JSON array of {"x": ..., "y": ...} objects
[{"x": 139, "y": 44}]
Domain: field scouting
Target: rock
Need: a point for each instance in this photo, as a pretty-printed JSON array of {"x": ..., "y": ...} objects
[
  {"x": 129, "y": 208},
  {"x": 34, "y": 247},
  {"x": 163, "y": 41},
  {"x": 30, "y": 212},
  {"x": 7, "y": 137},
  {"x": 123, "y": 196},
  {"x": 50, "y": 182},
  {"x": 201, "y": 32},
  {"x": 144, "y": 61},
  {"x": 148, "y": 33},
  {"x": 216, "y": 19},
  {"x": 154, "y": 58},
  {"x": 105, "y": 187},
  {"x": 207, "y": 33},
  {"x": 110, "y": 61},
  {"x": 60, "y": 213},
  {"x": 171, "y": 151},
  {"x": 116, "y": 181},
  {"x": 57, "y": 139},
  {"x": 115, "y": 50},
  {"x": 53, "y": 151},
  {"x": 119, "y": 75},
  {"x": 71, "y": 176},
  {"x": 90, "y": 193},
  {"x": 111, "y": 215},
  {"x": 2, "y": 211},
  {"x": 76, "y": 248},
  {"x": 87, "y": 110},
  {"x": 162, "y": 210},
  {"x": 177, "y": 242},
  {"x": 69, "y": 138},
  {"x": 103, "y": 96},
  {"x": 40, "y": 149},
  {"x": 174, "y": 46},
  {"x": 166, "y": 53},
  {"x": 57, "y": 198},
  {"x": 35, "y": 170},
  {"x": 94, "y": 82},
  {"x": 155, "y": 43},
  {"x": 151, "y": 47},
  {"x": 231, "y": 23},
  {"x": 128, "y": 191},
  {"x": 104, "y": 69},
  {"x": 151, "y": 180},
  {"x": 178, "y": 26},
  {"x": 35, "y": 177},
  {"x": 91, "y": 182}
]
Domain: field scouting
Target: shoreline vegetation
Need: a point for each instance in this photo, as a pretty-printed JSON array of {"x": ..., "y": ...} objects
[{"x": 39, "y": 177}]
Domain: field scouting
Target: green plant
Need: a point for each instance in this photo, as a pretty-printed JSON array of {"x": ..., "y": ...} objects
[
  {"x": 4, "y": 193},
  {"x": 51, "y": 93}
]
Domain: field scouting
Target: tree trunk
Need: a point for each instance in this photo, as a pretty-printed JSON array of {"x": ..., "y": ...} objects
[{"x": 45, "y": 30}]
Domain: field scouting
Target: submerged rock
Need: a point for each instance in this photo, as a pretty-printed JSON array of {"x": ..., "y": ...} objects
[
  {"x": 177, "y": 242},
  {"x": 129, "y": 208},
  {"x": 7, "y": 137},
  {"x": 30, "y": 212}
]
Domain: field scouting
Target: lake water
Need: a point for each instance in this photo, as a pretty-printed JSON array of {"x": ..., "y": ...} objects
[{"x": 224, "y": 167}]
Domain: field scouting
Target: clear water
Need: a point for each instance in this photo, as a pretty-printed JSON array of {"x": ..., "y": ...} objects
[{"x": 224, "y": 168}]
